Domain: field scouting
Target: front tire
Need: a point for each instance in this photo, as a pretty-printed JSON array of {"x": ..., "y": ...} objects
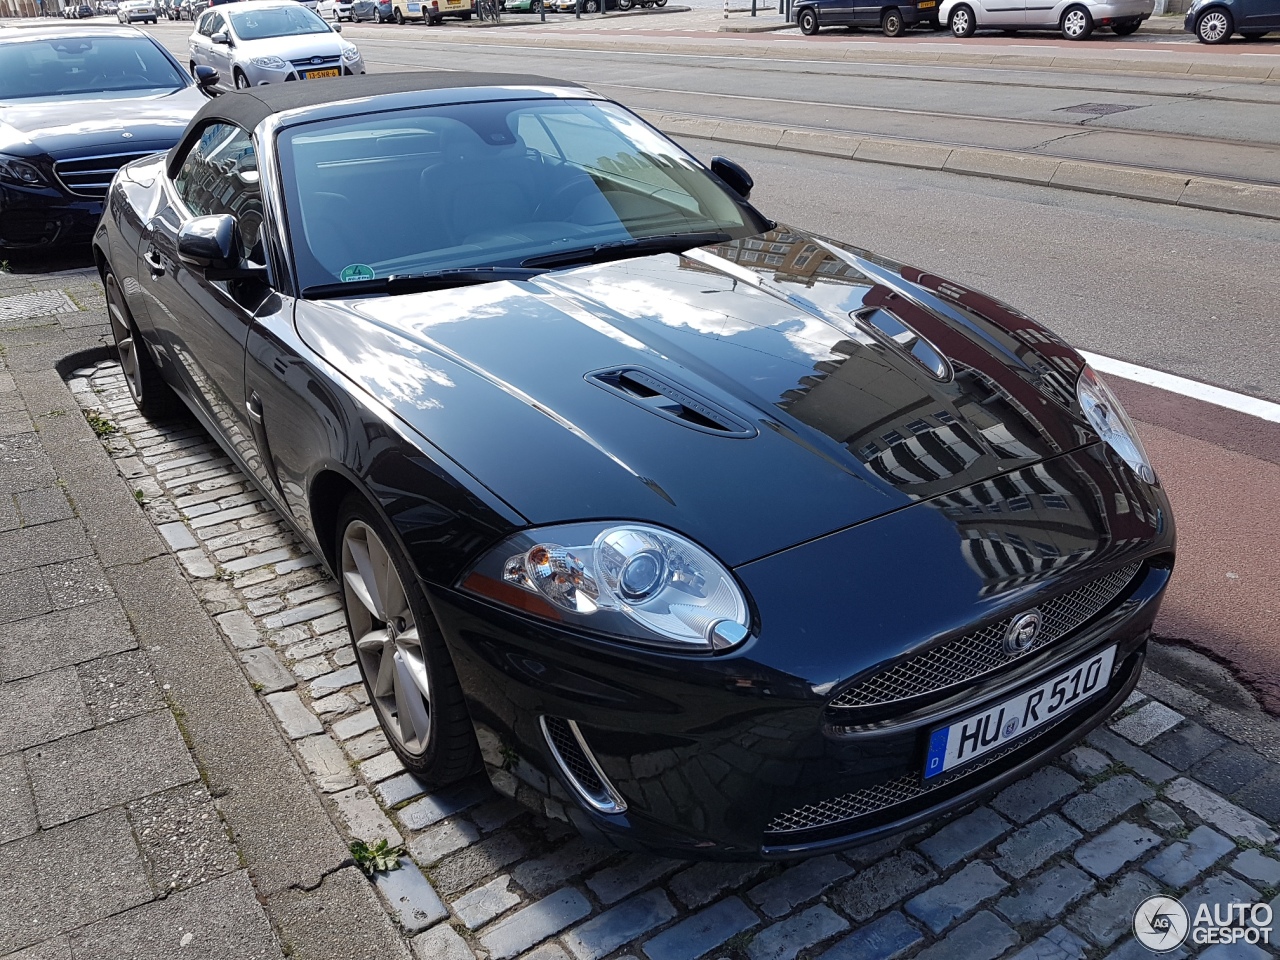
[
  {"x": 398, "y": 16},
  {"x": 153, "y": 397},
  {"x": 808, "y": 21},
  {"x": 1077, "y": 24},
  {"x": 242, "y": 82},
  {"x": 402, "y": 657},
  {"x": 1215, "y": 26},
  {"x": 891, "y": 23},
  {"x": 962, "y": 22}
]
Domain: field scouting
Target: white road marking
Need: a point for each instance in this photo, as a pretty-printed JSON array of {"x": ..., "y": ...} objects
[{"x": 1242, "y": 403}]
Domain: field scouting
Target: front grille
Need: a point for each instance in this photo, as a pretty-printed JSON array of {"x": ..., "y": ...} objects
[
  {"x": 569, "y": 748},
  {"x": 308, "y": 63},
  {"x": 90, "y": 176},
  {"x": 981, "y": 652},
  {"x": 869, "y": 800}
]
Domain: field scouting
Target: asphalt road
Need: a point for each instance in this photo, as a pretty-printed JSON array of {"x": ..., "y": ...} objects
[{"x": 1213, "y": 127}]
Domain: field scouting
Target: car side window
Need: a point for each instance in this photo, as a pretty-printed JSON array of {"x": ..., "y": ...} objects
[
  {"x": 219, "y": 175},
  {"x": 205, "y": 21},
  {"x": 217, "y": 24}
]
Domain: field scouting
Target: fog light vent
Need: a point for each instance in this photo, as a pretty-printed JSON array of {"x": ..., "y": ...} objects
[{"x": 579, "y": 765}]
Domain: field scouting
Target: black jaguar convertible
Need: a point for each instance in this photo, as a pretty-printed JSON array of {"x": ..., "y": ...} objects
[{"x": 714, "y": 537}]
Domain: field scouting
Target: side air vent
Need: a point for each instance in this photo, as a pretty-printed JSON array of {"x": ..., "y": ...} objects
[
  {"x": 659, "y": 395},
  {"x": 579, "y": 765},
  {"x": 890, "y": 329}
]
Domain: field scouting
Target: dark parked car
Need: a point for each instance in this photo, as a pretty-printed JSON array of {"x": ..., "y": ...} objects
[
  {"x": 75, "y": 105},
  {"x": 379, "y": 11},
  {"x": 890, "y": 17},
  {"x": 1214, "y": 21},
  {"x": 709, "y": 535}
]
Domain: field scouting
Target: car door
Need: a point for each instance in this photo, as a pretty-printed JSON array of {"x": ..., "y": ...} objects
[
  {"x": 1259, "y": 15},
  {"x": 200, "y": 39},
  {"x": 220, "y": 54},
  {"x": 202, "y": 323}
]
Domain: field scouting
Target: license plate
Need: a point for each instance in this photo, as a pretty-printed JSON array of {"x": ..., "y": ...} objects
[
  {"x": 956, "y": 744},
  {"x": 926, "y": 4},
  {"x": 317, "y": 74}
]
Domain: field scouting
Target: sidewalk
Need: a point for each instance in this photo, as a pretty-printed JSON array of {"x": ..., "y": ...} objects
[
  {"x": 186, "y": 751},
  {"x": 147, "y": 806}
]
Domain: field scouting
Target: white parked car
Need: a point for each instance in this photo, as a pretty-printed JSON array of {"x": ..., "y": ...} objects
[
  {"x": 1076, "y": 19},
  {"x": 270, "y": 41},
  {"x": 334, "y": 10}
]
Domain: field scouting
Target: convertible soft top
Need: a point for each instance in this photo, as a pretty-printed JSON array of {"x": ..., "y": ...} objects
[{"x": 248, "y": 108}]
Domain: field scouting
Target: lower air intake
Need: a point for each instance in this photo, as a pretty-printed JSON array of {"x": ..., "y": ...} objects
[{"x": 579, "y": 765}]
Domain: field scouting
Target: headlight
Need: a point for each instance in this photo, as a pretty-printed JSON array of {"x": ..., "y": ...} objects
[
  {"x": 13, "y": 170},
  {"x": 274, "y": 63},
  {"x": 634, "y": 582},
  {"x": 1107, "y": 417},
  {"x": 350, "y": 53}
]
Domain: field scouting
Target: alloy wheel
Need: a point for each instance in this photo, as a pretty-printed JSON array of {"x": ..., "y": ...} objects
[
  {"x": 242, "y": 82},
  {"x": 960, "y": 22},
  {"x": 1213, "y": 27},
  {"x": 386, "y": 637},
  {"x": 122, "y": 334}
]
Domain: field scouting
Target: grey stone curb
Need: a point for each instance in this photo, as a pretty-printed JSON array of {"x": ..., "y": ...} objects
[{"x": 1203, "y": 193}]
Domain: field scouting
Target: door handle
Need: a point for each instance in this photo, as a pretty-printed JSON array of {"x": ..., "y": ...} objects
[
  {"x": 154, "y": 263},
  {"x": 254, "y": 407}
]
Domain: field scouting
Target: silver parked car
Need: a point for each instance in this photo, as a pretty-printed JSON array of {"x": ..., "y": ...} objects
[
  {"x": 269, "y": 41},
  {"x": 1076, "y": 19},
  {"x": 136, "y": 11}
]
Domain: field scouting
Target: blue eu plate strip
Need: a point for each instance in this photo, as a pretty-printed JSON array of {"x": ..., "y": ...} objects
[{"x": 937, "y": 752}]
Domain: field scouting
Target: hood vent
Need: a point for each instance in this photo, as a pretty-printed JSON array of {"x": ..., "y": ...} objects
[
  {"x": 893, "y": 330},
  {"x": 659, "y": 395}
]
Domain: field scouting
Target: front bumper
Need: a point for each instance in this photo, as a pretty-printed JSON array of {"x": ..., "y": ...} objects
[
  {"x": 714, "y": 755},
  {"x": 258, "y": 75},
  {"x": 32, "y": 217}
]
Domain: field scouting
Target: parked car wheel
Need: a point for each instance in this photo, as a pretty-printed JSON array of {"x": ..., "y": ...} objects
[
  {"x": 1215, "y": 26},
  {"x": 1077, "y": 24},
  {"x": 399, "y": 16},
  {"x": 402, "y": 656},
  {"x": 153, "y": 397},
  {"x": 962, "y": 22},
  {"x": 659, "y": 3},
  {"x": 1125, "y": 27},
  {"x": 242, "y": 82},
  {"x": 808, "y": 21},
  {"x": 590, "y": 6},
  {"x": 891, "y": 23}
]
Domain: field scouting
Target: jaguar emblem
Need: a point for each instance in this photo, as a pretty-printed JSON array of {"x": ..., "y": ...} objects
[{"x": 1022, "y": 632}]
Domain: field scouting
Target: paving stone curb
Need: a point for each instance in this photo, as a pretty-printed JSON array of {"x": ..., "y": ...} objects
[
  {"x": 1204, "y": 193},
  {"x": 1052, "y": 863}
]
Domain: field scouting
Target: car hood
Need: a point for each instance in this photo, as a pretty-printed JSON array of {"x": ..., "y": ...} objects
[
  {"x": 727, "y": 393},
  {"x": 291, "y": 48},
  {"x": 62, "y": 126}
]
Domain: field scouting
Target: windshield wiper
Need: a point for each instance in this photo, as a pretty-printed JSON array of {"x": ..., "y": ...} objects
[
  {"x": 621, "y": 249},
  {"x": 418, "y": 282}
]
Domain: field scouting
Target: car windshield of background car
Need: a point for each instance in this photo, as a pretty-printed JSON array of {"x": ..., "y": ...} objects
[
  {"x": 79, "y": 66},
  {"x": 488, "y": 184},
  {"x": 276, "y": 22}
]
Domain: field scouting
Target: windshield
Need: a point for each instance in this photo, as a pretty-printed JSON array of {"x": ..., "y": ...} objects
[
  {"x": 491, "y": 184},
  {"x": 81, "y": 65},
  {"x": 276, "y": 22}
]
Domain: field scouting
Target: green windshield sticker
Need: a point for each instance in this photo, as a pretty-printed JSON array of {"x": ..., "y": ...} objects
[{"x": 357, "y": 271}]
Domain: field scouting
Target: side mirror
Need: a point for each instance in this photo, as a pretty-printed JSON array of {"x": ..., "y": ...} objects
[
  {"x": 206, "y": 79},
  {"x": 735, "y": 177},
  {"x": 213, "y": 246},
  {"x": 337, "y": 28},
  {"x": 221, "y": 39}
]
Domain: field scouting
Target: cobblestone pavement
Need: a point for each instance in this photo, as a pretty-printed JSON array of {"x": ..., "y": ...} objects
[{"x": 1180, "y": 793}]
